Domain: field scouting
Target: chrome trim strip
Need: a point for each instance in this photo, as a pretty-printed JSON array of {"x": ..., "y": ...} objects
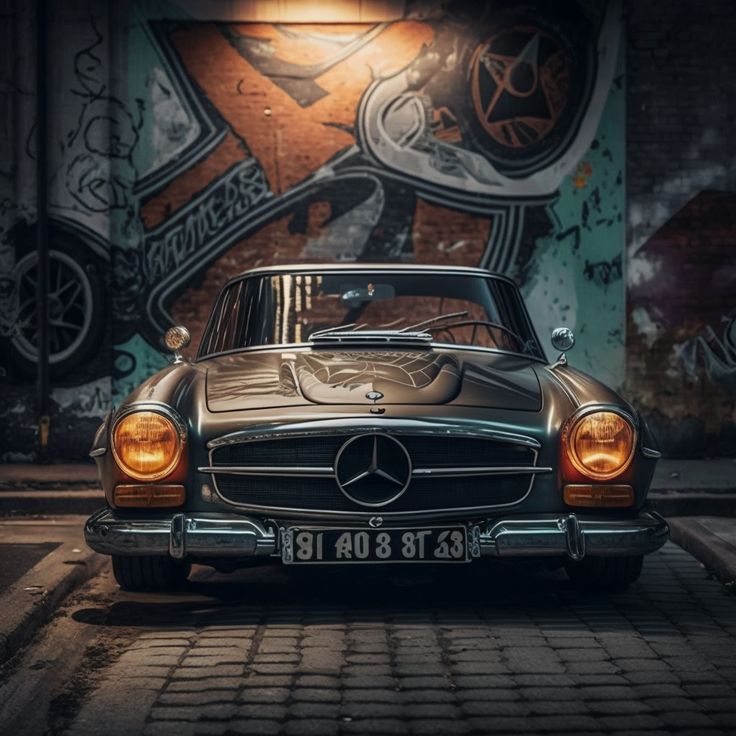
[
  {"x": 319, "y": 472},
  {"x": 573, "y": 536},
  {"x": 180, "y": 535},
  {"x": 270, "y": 470},
  {"x": 396, "y": 268},
  {"x": 348, "y": 426},
  {"x": 649, "y": 452},
  {"x": 177, "y": 541},
  {"x": 98, "y": 452},
  {"x": 488, "y": 470}
]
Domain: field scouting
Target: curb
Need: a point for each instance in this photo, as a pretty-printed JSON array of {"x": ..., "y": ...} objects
[
  {"x": 50, "y": 503},
  {"x": 34, "y": 475},
  {"x": 25, "y": 611},
  {"x": 715, "y": 553},
  {"x": 710, "y": 502}
]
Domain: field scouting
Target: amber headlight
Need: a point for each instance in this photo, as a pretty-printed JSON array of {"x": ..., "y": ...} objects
[
  {"x": 146, "y": 445},
  {"x": 601, "y": 444}
]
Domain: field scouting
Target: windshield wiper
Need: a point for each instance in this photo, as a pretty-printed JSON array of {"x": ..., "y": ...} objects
[
  {"x": 338, "y": 328},
  {"x": 432, "y": 320},
  {"x": 375, "y": 336}
]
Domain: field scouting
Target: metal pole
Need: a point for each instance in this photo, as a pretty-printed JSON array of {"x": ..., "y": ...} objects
[{"x": 42, "y": 239}]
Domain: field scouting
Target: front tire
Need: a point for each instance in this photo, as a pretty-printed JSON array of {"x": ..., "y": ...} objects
[
  {"x": 149, "y": 573},
  {"x": 605, "y": 573}
]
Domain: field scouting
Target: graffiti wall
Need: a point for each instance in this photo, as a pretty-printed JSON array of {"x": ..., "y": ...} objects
[
  {"x": 681, "y": 162},
  {"x": 682, "y": 335},
  {"x": 188, "y": 151}
]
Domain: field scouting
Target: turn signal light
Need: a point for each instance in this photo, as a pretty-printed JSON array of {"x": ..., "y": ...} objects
[
  {"x": 599, "y": 496},
  {"x": 129, "y": 496},
  {"x": 601, "y": 445},
  {"x": 146, "y": 445}
]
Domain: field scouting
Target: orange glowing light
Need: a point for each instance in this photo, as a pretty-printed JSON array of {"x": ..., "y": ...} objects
[
  {"x": 601, "y": 445},
  {"x": 148, "y": 496},
  {"x": 146, "y": 445},
  {"x": 589, "y": 496}
]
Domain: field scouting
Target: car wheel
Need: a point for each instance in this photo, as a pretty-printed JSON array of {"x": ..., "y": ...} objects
[
  {"x": 605, "y": 573},
  {"x": 149, "y": 573}
]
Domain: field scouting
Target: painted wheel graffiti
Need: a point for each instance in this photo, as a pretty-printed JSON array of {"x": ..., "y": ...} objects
[
  {"x": 520, "y": 86},
  {"x": 70, "y": 307},
  {"x": 530, "y": 81},
  {"x": 76, "y": 310}
]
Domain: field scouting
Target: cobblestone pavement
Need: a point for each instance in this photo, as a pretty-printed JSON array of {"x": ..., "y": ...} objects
[{"x": 463, "y": 651}]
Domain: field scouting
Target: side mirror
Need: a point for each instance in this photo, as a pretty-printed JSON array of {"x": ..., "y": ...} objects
[
  {"x": 176, "y": 339},
  {"x": 562, "y": 340}
]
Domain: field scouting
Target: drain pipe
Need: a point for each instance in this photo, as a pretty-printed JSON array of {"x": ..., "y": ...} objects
[{"x": 42, "y": 233}]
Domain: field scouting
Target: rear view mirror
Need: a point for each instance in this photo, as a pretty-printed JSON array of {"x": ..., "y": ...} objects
[{"x": 356, "y": 295}]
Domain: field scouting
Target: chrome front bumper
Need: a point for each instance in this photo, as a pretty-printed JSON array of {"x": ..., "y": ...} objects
[{"x": 227, "y": 535}]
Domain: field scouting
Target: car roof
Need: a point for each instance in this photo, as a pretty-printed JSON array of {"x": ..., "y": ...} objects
[{"x": 384, "y": 266}]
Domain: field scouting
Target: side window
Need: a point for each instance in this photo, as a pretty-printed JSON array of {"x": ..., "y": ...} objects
[
  {"x": 513, "y": 313},
  {"x": 222, "y": 328}
]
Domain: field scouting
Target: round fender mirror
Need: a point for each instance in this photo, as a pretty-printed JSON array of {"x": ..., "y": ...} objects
[
  {"x": 562, "y": 339},
  {"x": 176, "y": 339}
]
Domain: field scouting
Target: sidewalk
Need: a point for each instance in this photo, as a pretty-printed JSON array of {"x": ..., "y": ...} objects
[
  {"x": 39, "y": 490},
  {"x": 695, "y": 487},
  {"x": 712, "y": 540},
  {"x": 24, "y": 476},
  {"x": 41, "y": 562}
]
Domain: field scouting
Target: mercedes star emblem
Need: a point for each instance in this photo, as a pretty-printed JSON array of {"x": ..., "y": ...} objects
[{"x": 373, "y": 469}]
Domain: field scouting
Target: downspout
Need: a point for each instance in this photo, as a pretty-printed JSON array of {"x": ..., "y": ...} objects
[{"x": 42, "y": 237}]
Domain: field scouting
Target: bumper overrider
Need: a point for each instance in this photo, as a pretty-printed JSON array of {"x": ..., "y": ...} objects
[{"x": 212, "y": 536}]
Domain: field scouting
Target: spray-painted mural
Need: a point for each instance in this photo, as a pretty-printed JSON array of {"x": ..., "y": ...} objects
[
  {"x": 463, "y": 133},
  {"x": 682, "y": 334}
]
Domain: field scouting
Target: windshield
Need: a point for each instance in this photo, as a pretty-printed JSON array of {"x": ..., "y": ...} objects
[{"x": 324, "y": 309}]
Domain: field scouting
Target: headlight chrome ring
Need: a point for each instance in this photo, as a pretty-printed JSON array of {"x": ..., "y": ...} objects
[
  {"x": 147, "y": 441},
  {"x": 600, "y": 442}
]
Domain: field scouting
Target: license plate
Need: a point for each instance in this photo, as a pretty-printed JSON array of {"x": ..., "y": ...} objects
[{"x": 314, "y": 546}]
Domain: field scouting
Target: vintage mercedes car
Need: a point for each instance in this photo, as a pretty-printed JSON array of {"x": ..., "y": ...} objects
[{"x": 372, "y": 414}]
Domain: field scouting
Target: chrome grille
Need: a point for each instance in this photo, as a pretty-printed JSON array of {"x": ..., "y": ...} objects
[
  {"x": 313, "y": 494},
  {"x": 293, "y": 473},
  {"x": 426, "y": 451}
]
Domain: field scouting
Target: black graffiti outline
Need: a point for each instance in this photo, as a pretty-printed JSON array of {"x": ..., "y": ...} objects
[
  {"x": 200, "y": 219},
  {"x": 91, "y": 177},
  {"x": 212, "y": 128}
]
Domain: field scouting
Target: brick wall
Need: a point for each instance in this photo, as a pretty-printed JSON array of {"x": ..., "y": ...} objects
[{"x": 681, "y": 197}]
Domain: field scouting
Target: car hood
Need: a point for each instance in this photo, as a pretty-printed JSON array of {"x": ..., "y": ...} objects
[{"x": 272, "y": 378}]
